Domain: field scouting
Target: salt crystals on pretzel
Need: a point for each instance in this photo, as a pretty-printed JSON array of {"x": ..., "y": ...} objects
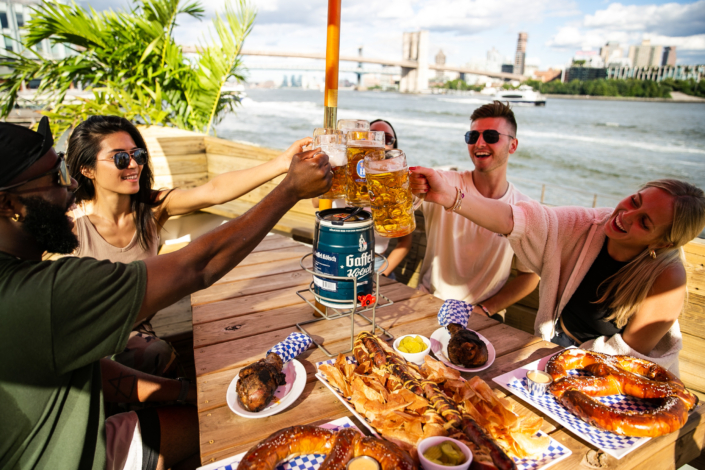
[{"x": 405, "y": 417}]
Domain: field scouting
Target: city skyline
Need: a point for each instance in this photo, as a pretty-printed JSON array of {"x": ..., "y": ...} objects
[{"x": 467, "y": 30}]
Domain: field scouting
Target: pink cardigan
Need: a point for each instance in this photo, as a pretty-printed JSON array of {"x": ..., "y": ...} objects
[{"x": 560, "y": 244}]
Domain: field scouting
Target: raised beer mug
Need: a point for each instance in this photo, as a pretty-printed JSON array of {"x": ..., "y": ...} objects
[
  {"x": 361, "y": 144},
  {"x": 391, "y": 200},
  {"x": 333, "y": 145},
  {"x": 319, "y": 131},
  {"x": 353, "y": 125}
]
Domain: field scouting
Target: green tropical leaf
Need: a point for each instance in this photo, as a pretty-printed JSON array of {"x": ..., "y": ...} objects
[{"x": 132, "y": 64}]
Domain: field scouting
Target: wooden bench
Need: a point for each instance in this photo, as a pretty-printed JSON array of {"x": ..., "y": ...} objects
[{"x": 187, "y": 159}]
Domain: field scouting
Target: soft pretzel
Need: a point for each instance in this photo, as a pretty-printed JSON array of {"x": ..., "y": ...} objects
[
  {"x": 620, "y": 375},
  {"x": 339, "y": 446}
]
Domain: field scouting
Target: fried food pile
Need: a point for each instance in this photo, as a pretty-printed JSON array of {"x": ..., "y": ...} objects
[{"x": 406, "y": 404}]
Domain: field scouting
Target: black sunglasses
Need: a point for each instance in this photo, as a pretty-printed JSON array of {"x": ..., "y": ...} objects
[
  {"x": 389, "y": 139},
  {"x": 491, "y": 136},
  {"x": 61, "y": 171},
  {"x": 122, "y": 159}
]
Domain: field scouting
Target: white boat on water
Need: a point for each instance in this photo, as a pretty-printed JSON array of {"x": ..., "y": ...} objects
[{"x": 522, "y": 95}]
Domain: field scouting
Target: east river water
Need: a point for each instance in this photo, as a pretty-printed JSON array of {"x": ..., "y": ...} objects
[{"x": 575, "y": 148}]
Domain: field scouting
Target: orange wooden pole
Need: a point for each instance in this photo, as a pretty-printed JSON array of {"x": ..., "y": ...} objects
[{"x": 330, "y": 99}]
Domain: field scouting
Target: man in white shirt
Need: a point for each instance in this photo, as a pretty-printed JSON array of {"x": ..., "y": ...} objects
[{"x": 464, "y": 261}]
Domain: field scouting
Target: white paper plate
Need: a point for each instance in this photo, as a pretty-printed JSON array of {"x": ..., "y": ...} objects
[
  {"x": 439, "y": 347},
  {"x": 284, "y": 396}
]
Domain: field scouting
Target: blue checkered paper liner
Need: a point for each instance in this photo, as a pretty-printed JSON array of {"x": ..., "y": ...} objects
[
  {"x": 454, "y": 311},
  {"x": 292, "y": 346},
  {"x": 605, "y": 440},
  {"x": 553, "y": 454},
  {"x": 302, "y": 462}
]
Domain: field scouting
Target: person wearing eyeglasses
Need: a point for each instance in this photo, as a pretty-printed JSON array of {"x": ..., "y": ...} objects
[
  {"x": 464, "y": 261},
  {"x": 122, "y": 213},
  {"x": 119, "y": 214},
  {"x": 59, "y": 318},
  {"x": 390, "y": 135}
]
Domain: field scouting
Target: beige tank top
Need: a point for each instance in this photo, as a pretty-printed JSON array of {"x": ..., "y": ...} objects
[{"x": 92, "y": 245}]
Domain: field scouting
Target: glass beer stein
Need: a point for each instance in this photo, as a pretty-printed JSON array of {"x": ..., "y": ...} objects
[
  {"x": 333, "y": 145},
  {"x": 353, "y": 125},
  {"x": 361, "y": 144},
  {"x": 391, "y": 200}
]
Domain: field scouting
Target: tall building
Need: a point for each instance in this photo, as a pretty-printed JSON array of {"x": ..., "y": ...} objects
[
  {"x": 14, "y": 15},
  {"x": 440, "y": 60},
  {"x": 669, "y": 56},
  {"x": 647, "y": 55},
  {"x": 611, "y": 52},
  {"x": 521, "y": 54}
]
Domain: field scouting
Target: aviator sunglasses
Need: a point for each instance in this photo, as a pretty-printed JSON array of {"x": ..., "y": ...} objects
[
  {"x": 491, "y": 136},
  {"x": 122, "y": 159},
  {"x": 61, "y": 171}
]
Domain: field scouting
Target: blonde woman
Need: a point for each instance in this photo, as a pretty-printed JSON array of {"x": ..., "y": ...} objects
[{"x": 612, "y": 280}]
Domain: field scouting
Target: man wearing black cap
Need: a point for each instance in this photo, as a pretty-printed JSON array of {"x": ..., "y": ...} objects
[{"x": 59, "y": 318}]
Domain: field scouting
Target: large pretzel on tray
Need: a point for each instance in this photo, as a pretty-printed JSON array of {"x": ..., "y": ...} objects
[
  {"x": 340, "y": 446},
  {"x": 620, "y": 375}
]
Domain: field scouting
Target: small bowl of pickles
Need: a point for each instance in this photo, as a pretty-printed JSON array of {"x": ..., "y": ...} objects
[
  {"x": 443, "y": 453},
  {"x": 413, "y": 348}
]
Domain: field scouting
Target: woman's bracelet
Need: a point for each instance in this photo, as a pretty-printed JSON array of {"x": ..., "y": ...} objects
[
  {"x": 484, "y": 309},
  {"x": 458, "y": 201}
]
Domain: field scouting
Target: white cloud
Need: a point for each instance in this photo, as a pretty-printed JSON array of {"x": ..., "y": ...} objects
[
  {"x": 690, "y": 43},
  {"x": 671, "y": 19},
  {"x": 474, "y": 16},
  {"x": 671, "y": 24}
]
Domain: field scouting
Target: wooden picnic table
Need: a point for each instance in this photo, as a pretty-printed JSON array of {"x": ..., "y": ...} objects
[{"x": 255, "y": 306}]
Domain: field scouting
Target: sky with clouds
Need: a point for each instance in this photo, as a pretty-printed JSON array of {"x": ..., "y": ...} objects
[{"x": 466, "y": 29}]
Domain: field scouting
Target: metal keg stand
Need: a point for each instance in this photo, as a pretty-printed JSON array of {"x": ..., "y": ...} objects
[{"x": 343, "y": 313}]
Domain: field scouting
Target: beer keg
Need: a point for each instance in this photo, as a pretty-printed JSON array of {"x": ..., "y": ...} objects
[{"x": 343, "y": 246}]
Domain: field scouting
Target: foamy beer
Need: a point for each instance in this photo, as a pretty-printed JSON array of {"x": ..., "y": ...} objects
[
  {"x": 333, "y": 145},
  {"x": 391, "y": 200},
  {"x": 361, "y": 145}
]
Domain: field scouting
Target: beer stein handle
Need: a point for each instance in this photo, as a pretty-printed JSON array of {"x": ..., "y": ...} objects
[{"x": 418, "y": 200}]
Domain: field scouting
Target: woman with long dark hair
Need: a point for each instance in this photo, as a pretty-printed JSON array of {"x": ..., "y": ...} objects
[
  {"x": 612, "y": 280},
  {"x": 123, "y": 213},
  {"x": 120, "y": 214}
]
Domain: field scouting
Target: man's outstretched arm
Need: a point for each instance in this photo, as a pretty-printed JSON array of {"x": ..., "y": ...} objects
[{"x": 211, "y": 256}]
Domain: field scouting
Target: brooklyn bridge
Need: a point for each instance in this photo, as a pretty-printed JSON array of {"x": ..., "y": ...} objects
[{"x": 413, "y": 67}]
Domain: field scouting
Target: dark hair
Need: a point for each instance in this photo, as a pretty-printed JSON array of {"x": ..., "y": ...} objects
[
  {"x": 83, "y": 148},
  {"x": 495, "y": 109},
  {"x": 396, "y": 137}
]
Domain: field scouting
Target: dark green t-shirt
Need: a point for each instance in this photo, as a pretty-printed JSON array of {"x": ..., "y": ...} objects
[{"x": 57, "y": 320}]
